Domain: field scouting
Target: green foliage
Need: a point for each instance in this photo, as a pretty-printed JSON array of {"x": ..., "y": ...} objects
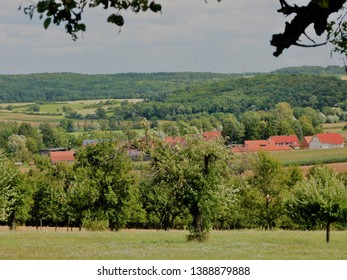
[
  {"x": 322, "y": 199},
  {"x": 106, "y": 169},
  {"x": 8, "y": 182},
  {"x": 266, "y": 191},
  {"x": 70, "y": 12},
  {"x": 233, "y": 130},
  {"x": 49, "y": 199},
  {"x": 196, "y": 177},
  {"x": 53, "y": 137},
  {"x": 337, "y": 34}
]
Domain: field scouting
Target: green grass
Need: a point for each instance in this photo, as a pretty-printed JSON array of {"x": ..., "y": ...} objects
[
  {"x": 33, "y": 119},
  {"x": 321, "y": 155},
  {"x": 161, "y": 245},
  {"x": 17, "y": 114}
]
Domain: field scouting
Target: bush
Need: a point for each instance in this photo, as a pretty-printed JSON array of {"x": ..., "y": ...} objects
[{"x": 96, "y": 225}]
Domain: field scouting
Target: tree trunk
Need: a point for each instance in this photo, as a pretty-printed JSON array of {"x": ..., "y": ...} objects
[
  {"x": 197, "y": 221},
  {"x": 12, "y": 220},
  {"x": 327, "y": 239}
]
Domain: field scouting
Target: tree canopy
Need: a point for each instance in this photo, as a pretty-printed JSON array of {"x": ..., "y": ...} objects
[{"x": 316, "y": 12}]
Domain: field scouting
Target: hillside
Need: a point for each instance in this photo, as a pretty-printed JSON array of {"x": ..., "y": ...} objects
[
  {"x": 70, "y": 86},
  {"x": 155, "y": 86},
  {"x": 312, "y": 70}
]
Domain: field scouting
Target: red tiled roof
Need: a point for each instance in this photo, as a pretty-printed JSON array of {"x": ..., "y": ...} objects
[
  {"x": 260, "y": 145},
  {"x": 62, "y": 156},
  {"x": 306, "y": 141},
  {"x": 173, "y": 140},
  {"x": 269, "y": 148},
  {"x": 330, "y": 138},
  {"x": 210, "y": 135},
  {"x": 286, "y": 140}
]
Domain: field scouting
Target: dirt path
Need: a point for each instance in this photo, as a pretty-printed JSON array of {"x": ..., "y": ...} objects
[{"x": 338, "y": 167}]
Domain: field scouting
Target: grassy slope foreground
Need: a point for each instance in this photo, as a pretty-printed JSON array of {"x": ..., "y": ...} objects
[{"x": 171, "y": 245}]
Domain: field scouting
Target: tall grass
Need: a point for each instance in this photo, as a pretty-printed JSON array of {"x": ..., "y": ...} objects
[{"x": 161, "y": 245}]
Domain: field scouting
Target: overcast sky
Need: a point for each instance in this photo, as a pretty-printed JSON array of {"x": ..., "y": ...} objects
[{"x": 232, "y": 36}]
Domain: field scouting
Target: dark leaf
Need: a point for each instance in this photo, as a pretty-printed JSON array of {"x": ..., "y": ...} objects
[
  {"x": 47, "y": 22},
  {"x": 116, "y": 19},
  {"x": 155, "y": 7}
]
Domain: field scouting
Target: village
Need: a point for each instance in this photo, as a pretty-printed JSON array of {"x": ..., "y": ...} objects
[{"x": 287, "y": 143}]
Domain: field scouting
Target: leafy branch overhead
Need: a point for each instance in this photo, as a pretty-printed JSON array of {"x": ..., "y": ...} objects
[
  {"x": 70, "y": 12},
  {"x": 316, "y": 12}
]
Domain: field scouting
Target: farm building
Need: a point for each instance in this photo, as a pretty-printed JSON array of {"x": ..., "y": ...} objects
[
  {"x": 323, "y": 141},
  {"x": 260, "y": 145},
  {"x": 62, "y": 156},
  {"x": 286, "y": 140}
]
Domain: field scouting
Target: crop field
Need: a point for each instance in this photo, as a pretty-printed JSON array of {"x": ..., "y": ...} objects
[
  {"x": 336, "y": 127},
  {"x": 170, "y": 245},
  {"x": 82, "y": 107},
  {"x": 35, "y": 120},
  {"x": 302, "y": 156}
]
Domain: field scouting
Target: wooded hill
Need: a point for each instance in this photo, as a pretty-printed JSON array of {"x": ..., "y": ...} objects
[{"x": 186, "y": 93}]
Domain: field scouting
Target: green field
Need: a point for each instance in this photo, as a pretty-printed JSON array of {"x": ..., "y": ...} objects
[
  {"x": 336, "y": 127},
  {"x": 171, "y": 245},
  {"x": 19, "y": 110},
  {"x": 302, "y": 156},
  {"x": 35, "y": 120}
]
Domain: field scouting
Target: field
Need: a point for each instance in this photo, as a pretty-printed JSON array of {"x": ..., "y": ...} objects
[
  {"x": 300, "y": 156},
  {"x": 19, "y": 112},
  {"x": 336, "y": 127},
  {"x": 35, "y": 120},
  {"x": 171, "y": 245}
]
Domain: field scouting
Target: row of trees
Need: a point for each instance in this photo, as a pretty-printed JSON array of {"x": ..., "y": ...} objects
[
  {"x": 252, "y": 125},
  {"x": 195, "y": 186}
]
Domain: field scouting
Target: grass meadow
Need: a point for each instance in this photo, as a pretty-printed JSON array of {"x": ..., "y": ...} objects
[{"x": 171, "y": 245}]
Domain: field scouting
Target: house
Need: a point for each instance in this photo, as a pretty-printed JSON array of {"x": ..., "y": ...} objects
[
  {"x": 260, "y": 145},
  {"x": 306, "y": 142},
  {"x": 286, "y": 140},
  {"x": 324, "y": 141},
  {"x": 62, "y": 156}
]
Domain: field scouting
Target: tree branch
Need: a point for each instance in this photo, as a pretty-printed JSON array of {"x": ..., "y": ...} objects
[{"x": 316, "y": 13}]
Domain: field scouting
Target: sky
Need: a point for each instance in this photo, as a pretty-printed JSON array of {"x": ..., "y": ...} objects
[{"x": 232, "y": 36}]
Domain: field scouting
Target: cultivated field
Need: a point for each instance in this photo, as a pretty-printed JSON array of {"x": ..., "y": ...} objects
[
  {"x": 305, "y": 155},
  {"x": 20, "y": 111},
  {"x": 171, "y": 245}
]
